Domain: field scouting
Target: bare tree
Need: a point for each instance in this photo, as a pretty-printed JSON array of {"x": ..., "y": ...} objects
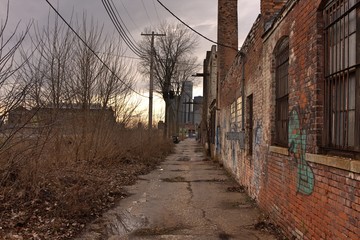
[
  {"x": 127, "y": 111},
  {"x": 117, "y": 83},
  {"x": 86, "y": 68},
  {"x": 173, "y": 63},
  {"x": 11, "y": 91},
  {"x": 47, "y": 72},
  {"x": 65, "y": 73}
]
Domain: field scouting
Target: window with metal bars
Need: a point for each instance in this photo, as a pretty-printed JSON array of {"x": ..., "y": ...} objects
[
  {"x": 282, "y": 92},
  {"x": 342, "y": 75}
]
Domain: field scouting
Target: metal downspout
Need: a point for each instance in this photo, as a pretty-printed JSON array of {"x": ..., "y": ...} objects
[{"x": 243, "y": 91}]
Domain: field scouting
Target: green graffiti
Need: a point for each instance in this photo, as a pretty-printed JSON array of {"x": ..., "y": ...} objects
[{"x": 297, "y": 149}]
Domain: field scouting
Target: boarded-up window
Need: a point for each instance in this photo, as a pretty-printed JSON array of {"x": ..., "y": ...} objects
[
  {"x": 282, "y": 92},
  {"x": 342, "y": 76}
]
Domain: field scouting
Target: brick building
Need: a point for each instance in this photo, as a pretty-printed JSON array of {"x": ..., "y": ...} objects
[
  {"x": 288, "y": 114},
  {"x": 65, "y": 118}
]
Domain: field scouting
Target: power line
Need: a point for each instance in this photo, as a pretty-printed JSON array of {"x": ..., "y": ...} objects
[
  {"x": 129, "y": 15},
  {"x": 220, "y": 44},
  {"x": 122, "y": 20},
  {"x": 146, "y": 11},
  {"x": 117, "y": 55},
  {"x": 157, "y": 14},
  {"x": 113, "y": 14},
  {"x": 93, "y": 52}
]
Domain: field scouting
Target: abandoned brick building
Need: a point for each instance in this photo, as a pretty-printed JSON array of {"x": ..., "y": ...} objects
[{"x": 283, "y": 112}]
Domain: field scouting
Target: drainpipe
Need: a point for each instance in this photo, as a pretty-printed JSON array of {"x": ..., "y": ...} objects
[{"x": 242, "y": 54}]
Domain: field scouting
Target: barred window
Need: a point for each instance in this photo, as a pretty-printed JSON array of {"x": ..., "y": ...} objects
[
  {"x": 282, "y": 92},
  {"x": 342, "y": 75}
]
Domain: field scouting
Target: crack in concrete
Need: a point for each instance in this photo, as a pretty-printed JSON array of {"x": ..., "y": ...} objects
[
  {"x": 182, "y": 179},
  {"x": 189, "y": 188}
]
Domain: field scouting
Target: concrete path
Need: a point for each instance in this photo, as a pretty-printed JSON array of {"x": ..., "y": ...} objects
[{"x": 186, "y": 197}]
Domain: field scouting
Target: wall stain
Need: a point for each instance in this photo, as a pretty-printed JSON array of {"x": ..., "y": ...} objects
[{"x": 258, "y": 158}]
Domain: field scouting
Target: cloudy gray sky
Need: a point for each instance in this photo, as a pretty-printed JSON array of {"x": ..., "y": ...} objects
[{"x": 138, "y": 14}]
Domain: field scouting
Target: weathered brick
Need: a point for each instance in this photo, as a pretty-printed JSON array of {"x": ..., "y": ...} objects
[{"x": 307, "y": 199}]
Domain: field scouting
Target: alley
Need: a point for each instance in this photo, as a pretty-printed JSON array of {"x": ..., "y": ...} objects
[{"x": 186, "y": 197}]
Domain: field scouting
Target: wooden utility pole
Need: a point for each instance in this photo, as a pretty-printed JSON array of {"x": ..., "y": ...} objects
[{"x": 152, "y": 34}]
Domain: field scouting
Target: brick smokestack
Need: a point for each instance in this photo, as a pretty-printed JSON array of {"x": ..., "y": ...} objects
[
  {"x": 227, "y": 35},
  {"x": 270, "y": 7}
]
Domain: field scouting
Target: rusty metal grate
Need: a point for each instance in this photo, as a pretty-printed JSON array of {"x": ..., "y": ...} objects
[{"x": 342, "y": 74}]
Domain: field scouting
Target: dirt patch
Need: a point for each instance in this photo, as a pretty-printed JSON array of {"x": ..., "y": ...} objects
[
  {"x": 211, "y": 180},
  {"x": 183, "y": 159},
  {"x": 197, "y": 150},
  {"x": 224, "y": 236},
  {"x": 233, "y": 205},
  {"x": 266, "y": 226},
  {"x": 239, "y": 189}
]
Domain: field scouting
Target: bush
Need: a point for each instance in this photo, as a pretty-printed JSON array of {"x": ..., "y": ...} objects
[{"x": 52, "y": 183}]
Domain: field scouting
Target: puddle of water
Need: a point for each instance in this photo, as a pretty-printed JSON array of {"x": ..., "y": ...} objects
[
  {"x": 156, "y": 231},
  {"x": 174, "y": 179}
]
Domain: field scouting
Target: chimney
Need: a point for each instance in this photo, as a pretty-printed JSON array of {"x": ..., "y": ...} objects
[
  {"x": 227, "y": 35},
  {"x": 269, "y": 8}
]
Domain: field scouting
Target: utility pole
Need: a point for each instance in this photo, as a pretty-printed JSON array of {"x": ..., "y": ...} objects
[{"x": 152, "y": 34}]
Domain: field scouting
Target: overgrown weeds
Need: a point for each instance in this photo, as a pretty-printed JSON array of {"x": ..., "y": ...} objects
[{"x": 53, "y": 182}]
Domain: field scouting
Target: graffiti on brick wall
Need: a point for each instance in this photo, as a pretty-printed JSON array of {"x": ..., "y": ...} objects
[
  {"x": 258, "y": 133},
  {"x": 218, "y": 145},
  {"x": 297, "y": 150},
  {"x": 259, "y": 158}
]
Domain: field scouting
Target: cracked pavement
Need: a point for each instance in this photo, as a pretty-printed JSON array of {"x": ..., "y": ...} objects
[{"x": 187, "y": 197}]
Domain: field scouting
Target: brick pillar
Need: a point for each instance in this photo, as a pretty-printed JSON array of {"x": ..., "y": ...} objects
[{"x": 227, "y": 35}]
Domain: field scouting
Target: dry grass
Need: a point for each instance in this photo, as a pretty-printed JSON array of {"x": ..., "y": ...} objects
[{"x": 52, "y": 183}]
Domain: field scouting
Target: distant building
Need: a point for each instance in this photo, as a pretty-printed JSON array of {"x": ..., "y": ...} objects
[
  {"x": 60, "y": 118},
  {"x": 197, "y": 109},
  {"x": 185, "y": 104},
  {"x": 209, "y": 129}
]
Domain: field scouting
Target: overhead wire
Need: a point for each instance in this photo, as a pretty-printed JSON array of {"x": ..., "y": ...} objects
[
  {"x": 92, "y": 51},
  {"x": 156, "y": 11},
  {"x": 117, "y": 55},
  {"x": 129, "y": 15},
  {"x": 123, "y": 24},
  {"x": 192, "y": 29},
  {"x": 139, "y": 58},
  {"x": 142, "y": 1},
  {"x": 113, "y": 14}
]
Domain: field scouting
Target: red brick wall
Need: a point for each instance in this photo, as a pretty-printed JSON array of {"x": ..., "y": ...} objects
[
  {"x": 330, "y": 212},
  {"x": 269, "y": 7},
  {"x": 308, "y": 200}
]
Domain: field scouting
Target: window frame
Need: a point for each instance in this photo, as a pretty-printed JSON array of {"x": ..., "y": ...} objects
[
  {"x": 338, "y": 74},
  {"x": 281, "y": 57}
]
